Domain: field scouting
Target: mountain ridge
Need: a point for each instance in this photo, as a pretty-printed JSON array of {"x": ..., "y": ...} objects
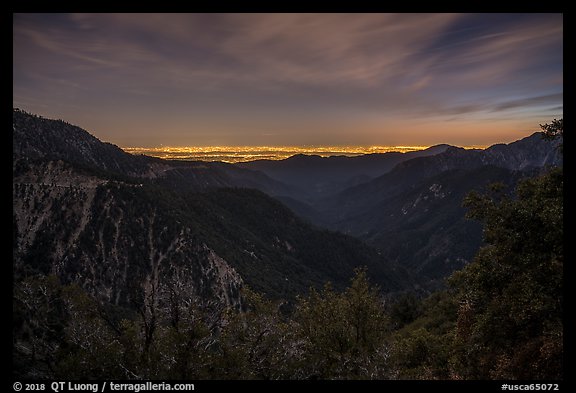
[
  {"x": 316, "y": 176},
  {"x": 378, "y": 211},
  {"x": 121, "y": 236},
  {"x": 35, "y": 137},
  {"x": 55, "y": 171},
  {"x": 513, "y": 156}
]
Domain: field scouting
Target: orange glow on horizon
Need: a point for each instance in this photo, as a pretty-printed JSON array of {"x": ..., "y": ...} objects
[{"x": 233, "y": 154}]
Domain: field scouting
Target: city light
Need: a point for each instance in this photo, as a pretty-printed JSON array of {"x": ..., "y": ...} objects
[{"x": 233, "y": 154}]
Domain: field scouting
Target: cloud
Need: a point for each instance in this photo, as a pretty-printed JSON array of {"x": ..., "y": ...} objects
[
  {"x": 327, "y": 49},
  {"x": 275, "y": 48},
  {"x": 276, "y": 51},
  {"x": 544, "y": 100},
  {"x": 251, "y": 68}
]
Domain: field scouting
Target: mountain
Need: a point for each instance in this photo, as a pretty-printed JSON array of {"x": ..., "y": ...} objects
[
  {"x": 34, "y": 137},
  {"x": 37, "y": 138},
  {"x": 424, "y": 228},
  {"x": 316, "y": 176},
  {"x": 120, "y": 224},
  {"x": 126, "y": 227},
  {"x": 413, "y": 213},
  {"x": 116, "y": 239},
  {"x": 527, "y": 153}
]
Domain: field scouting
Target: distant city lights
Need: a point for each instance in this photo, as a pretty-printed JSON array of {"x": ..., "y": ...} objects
[{"x": 232, "y": 154}]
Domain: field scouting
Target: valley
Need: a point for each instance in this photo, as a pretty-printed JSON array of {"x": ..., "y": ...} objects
[
  {"x": 359, "y": 200},
  {"x": 143, "y": 237}
]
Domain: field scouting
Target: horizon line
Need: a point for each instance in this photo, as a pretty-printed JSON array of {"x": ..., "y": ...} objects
[
  {"x": 303, "y": 147},
  {"x": 236, "y": 154}
]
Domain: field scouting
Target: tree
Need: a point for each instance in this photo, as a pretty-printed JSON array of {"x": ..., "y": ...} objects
[
  {"x": 91, "y": 347},
  {"x": 553, "y": 130},
  {"x": 38, "y": 325},
  {"x": 258, "y": 343},
  {"x": 344, "y": 333},
  {"x": 405, "y": 309},
  {"x": 423, "y": 348},
  {"x": 510, "y": 319}
]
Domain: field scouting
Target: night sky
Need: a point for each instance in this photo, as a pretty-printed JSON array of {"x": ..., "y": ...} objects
[{"x": 292, "y": 79}]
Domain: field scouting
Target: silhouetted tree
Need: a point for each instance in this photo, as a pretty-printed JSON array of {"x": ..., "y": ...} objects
[
  {"x": 511, "y": 294},
  {"x": 554, "y": 130}
]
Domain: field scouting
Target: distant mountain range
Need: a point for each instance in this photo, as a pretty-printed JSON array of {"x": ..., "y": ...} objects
[
  {"x": 122, "y": 226},
  {"x": 412, "y": 212},
  {"x": 119, "y": 224},
  {"x": 316, "y": 176}
]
